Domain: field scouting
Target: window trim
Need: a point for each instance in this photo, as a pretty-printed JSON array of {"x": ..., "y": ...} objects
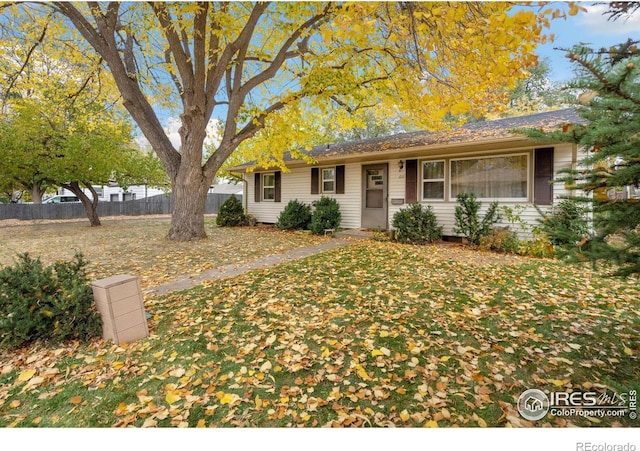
[
  {"x": 265, "y": 186},
  {"x": 443, "y": 180},
  {"x": 484, "y": 157},
  {"x": 323, "y": 180}
]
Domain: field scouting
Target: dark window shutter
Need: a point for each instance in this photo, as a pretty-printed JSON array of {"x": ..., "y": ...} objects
[
  {"x": 278, "y": 178},
  {"x": 340, "y": 179},
  {"x": 411, "y": 181},
  {"x": 543, "y": 176},
  {"x": 315, "y": 180},
  {"x": 257, "y": 187}
]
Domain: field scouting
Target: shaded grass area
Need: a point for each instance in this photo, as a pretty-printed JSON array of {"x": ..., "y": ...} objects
[
  {"x": 373, "y": 334},
  {"x": 139, "y": 246}
]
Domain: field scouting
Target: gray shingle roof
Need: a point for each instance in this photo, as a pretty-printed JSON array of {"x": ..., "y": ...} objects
[{"x": 488, "y": 130}]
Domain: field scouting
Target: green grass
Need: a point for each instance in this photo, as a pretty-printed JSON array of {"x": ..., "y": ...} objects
[{"x": 374, "y": 334}]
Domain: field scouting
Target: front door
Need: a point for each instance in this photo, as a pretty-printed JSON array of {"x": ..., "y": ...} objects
[{"x": 374, "y": 196}]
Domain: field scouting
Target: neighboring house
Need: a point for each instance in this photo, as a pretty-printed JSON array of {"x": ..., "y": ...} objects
[
  {"x": 227, "y": 188},
  {"x": 374, "y": 178},
  {"x": 114, "y": 193}
]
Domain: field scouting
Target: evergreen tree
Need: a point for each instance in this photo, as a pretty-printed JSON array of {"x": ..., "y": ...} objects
[{"x": 610, "y": 135}]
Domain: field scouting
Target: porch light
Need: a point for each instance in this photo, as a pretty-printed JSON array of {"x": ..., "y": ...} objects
[{"x": 400, "y": 164}]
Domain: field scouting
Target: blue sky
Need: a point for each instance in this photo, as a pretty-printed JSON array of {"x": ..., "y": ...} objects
[{"x": 592, "y": 28}]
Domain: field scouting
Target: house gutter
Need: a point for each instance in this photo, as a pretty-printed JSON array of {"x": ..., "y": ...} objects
[{"x": 412, "y": 152}]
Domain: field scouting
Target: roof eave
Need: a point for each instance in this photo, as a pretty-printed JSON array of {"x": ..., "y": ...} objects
[{"x": 399, "y": 152}]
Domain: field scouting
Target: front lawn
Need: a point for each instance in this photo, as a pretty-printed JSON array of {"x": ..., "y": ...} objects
[
  {"x": 373, "y": 334},
  {"x": 138, "y": 246}
]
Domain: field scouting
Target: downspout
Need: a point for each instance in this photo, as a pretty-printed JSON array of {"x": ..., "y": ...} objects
[{"x": 245, "y": 195}]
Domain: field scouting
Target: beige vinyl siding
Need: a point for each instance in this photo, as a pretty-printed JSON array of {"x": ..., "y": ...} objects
[
  {"x": 445, "y": 211},
  {"x": 297, "y": 185}
]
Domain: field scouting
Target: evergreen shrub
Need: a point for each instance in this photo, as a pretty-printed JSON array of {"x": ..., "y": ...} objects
[
  {"x": 296, "y": 215},
  {"x": 52, "y": 303},
  {"x": 326, "y": 215},
  {"x": 468, "y": 222},
  {"x": 416, "y": 224},
  {"x": 231, "y": 213}
]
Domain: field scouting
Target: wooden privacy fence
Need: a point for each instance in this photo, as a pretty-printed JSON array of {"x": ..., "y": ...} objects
[{"x": 156, "y": 205}]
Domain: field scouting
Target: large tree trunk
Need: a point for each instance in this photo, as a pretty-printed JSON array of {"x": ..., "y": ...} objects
[
  {"x": 187, "y": 220},
  {"x": 189, "y": 187}
]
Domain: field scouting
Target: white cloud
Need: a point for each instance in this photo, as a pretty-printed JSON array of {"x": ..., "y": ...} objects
[
  {"x": 171, "y": 130},
  {"x": 597, "y": 23}
]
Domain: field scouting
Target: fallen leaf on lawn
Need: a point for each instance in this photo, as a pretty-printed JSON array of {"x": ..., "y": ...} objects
[
  {"x": 172, "y": 397},
  {"x": 628, "y": 351},
  {"x": 178, "y": 372},
  {"x": 362, "y": 373},
  {"x": 33, "y": 382},
  {"x": 431, "y": 424},
  {"x": 26, "y": 375},
  {"x": 15, "y": 403},
  {"x": 229, "y": 398},
  {"x": 404, "y": 415},
  {"x": 149, "y": 423},
  {"x": 266, "y": 366},
  {"x": 482, "y": 423},
  {"x": 76, "y": 400}
]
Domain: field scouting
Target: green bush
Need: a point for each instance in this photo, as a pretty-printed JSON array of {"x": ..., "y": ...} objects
[
  {"x": 53, "y": 303},
  {"x": 296, "y": 215},
  {"x": 468, "y": 222},
  {"x": 566, "y": 224},
  {"x": 326, "y": 215},
  {"x": 231, "y": 213},
  {"x": 416, "y": 225}
]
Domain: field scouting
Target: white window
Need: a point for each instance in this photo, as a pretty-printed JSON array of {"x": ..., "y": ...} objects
[
  {"x": 328, "y": 180},
  {"x": 502, "y": 177},
  {"x": 269, "y": 186},
  {"x": 433, "y": 180}
]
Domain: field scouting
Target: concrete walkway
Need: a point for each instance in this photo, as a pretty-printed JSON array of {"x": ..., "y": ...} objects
[{"x": 235, "y": 269}]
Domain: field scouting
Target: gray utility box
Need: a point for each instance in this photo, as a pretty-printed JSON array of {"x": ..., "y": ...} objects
[{"x": 119, "y": 301}]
